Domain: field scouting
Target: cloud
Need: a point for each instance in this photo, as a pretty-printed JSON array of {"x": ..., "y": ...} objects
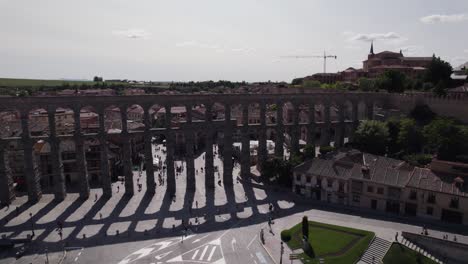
[
  {"x": 132, "y": 33},
  {"x": 209, "y": 46},
  {"x": 390, "y": 36},
  {"x": 466, "y": 51},
  {"x": 434, "y": 19}
]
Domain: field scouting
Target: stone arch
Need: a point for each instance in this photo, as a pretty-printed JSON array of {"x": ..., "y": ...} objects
[
  {"x": 218, "y": 111},
  {"x": 271, "y": 114},
  {"x": 42, "y": 157},
  {"x": 68, "y": 154},
  {"x": 254, "y": 113},
  {"x": 89, "y": 120},
  {"x": 38, "y": 122},
  {"x": 179, "y": 114},
  {"x": 237, "y": 114},
  {"x": 135, "y": 118},
  {"x": 113, "y": 119},
  {"x": 362, "y": 110},
  {"x": 348, "y": 110},
  {"x": 319, "y": 114},
  {"x": 157, "y": 116},
  {"x": 11, "y": 123},
  {"x": 64, "y": 121}
]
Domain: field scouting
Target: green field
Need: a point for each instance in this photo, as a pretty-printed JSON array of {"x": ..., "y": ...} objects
[
  {"x": 335, "y": 244},
  {"x": 402, "y": 254},
  {"x": 7, "y": 82}
]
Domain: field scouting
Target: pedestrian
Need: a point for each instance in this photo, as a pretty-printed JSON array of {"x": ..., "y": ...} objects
[
  {"x": 396, "y": 236},
  {"x": 95, "y": 197},
  {"x": 100, "y": 215},
  {"x": 17, "y": 210},
  {"x": 118, "y": 189},
  {"x": 196, "y": 204}
]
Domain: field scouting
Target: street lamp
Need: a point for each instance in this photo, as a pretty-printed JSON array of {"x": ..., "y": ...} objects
[
  {"x": 32, "y": 224},
  {"x": 282, "y": 251}
]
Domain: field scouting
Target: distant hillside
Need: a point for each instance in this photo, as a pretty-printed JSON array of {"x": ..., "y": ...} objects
[{"x": 7, "y": 82}]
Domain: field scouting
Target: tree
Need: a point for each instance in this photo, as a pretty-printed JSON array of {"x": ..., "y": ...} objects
[
  {"x": 423, "y": 114},
  {"x": 311, "y": 84},
  {"x": 97, "y": 79},
  {"x": 392, "y": 81},
  {"x": 367, "y": 85},
  {"x": 297, "y": 81},
  {"x": 409, "y": 136},
  {"x": 393, "y": 126},
  {"x": 446, "y": 138},
  {"x": 438, "y": 70},
  {"x": 440, "y": 89},
  {"x": 305, "y": 227},
  {"x": 309, "y": 151},
  {"x": 371, "y": 136}
]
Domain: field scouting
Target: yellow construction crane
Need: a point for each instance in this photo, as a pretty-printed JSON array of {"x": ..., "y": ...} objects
[{"x": 324, "y": 57}]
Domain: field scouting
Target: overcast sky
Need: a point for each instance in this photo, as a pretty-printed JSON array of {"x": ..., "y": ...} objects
[{"x": 219, "y": 39}]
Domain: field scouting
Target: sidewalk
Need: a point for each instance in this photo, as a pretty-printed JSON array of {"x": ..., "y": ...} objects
[{"x": 273, "y": 241}]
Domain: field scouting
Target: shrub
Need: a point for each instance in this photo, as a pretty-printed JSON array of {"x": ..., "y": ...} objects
[
  {"x": 326, "y": 149},
  {"x": 285, "y": 235}
]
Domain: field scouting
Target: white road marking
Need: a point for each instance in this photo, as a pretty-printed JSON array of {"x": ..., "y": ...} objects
[
  {"x": 79, "y": 253},
  {"x": 199, "y": 239},
  {"x": 195, "y": 254},
  {"x": 76, "y": 259},
  {"x": 250, "y": 243},
  {"x": 211, "y": 253},
  {"x": 204, "y": 252},
  {"x": 261, "y": 257},
  {"x": 159, "y": 257}
]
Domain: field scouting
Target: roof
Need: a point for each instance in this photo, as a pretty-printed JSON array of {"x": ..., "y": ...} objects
[
  {"x": 417, "y": 58},
  {"x": 350, "y": 164},
  {"x": 429, "y": 180}
]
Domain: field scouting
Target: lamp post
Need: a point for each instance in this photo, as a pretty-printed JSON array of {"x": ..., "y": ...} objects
[
  {"x": 32, "y": 224},
  {"x": 282, "y": 251}
]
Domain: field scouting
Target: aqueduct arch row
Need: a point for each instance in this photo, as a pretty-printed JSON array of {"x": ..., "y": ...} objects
[{"x": 268, "y": 115}]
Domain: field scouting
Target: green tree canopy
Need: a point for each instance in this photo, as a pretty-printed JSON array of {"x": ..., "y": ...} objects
[
  {"x": 409, "y": 136},
  {"x": 371, "y": 136},
  {"x": 423, "y": 114},
  {"x": 446, "y": 138},
  {"x": 392, "y": 81},
  {"x": 438, "y": 70}
]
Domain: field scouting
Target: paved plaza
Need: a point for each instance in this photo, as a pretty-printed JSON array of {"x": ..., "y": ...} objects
[{"x": 193, "y": 227}]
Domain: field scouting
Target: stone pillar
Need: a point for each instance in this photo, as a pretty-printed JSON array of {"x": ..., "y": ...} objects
[
  {"x": 105, "y": 171},
  {"x": 56, "y": 158},
  {"x": 245, "y": 151},
  {"x": 227, "y": 153},
  {"x": 80, "y": 156},
  {"x": 7, "y": 192},
  {"x": 295, "y": 130},
  {"x": 31, "y": 171},
  {"x": 327, "y": 126},
  {"x": 340, "y": 128},
  {"x": 190, "y": 149},
  {"x": 190, "y": 159},
  {"x": 262, "y": 141},
  {"x": 311, "y": 127},
  {"x": 150, "y": 182},
  {"x": 279, "y": 151},
  {"x": 127, "y": 154},
  {"x": 170, "y": 146},
  {"x": 209, "y": 171}
]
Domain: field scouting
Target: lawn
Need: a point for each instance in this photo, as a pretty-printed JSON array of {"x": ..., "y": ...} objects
[
  {"x": 7, "y": 82},
  {"x": 335, "y": 244},
  {"x": 402, "y": 254}
]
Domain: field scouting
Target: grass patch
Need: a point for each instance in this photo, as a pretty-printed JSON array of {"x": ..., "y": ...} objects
[
  {"x": 399, "y": 253},
  {"x": 8, "y": 82},
  {"x": 335, "y": 244}
]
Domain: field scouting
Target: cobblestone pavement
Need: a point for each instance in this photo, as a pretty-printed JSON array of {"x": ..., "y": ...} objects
[{"x": 223, "y": 225}]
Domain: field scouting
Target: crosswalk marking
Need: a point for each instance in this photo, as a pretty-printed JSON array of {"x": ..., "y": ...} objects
[
  {"x": 195, "y": 254},
  {"x": 211, "y": 253},
  {"x": 203, "y": 253}
]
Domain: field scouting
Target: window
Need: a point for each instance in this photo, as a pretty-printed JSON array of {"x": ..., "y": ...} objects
[
  {"x": 329, "y": 183},
  {"x": 356, "y": 198},
  {"x": 308, "y": 179},
  {"x": 454, "y": 203},
  {"x": 380, "y": 190},
  {"x": 370, "y": 189},
  {"x": 431, "y": 198},
  {"x": 298, "y": 177},
  {"x": 413, "y": 195},
  {"x": 429, "y": 210}
]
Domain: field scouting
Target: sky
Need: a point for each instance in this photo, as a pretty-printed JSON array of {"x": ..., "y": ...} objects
[{"x": 237, "y": 40}]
